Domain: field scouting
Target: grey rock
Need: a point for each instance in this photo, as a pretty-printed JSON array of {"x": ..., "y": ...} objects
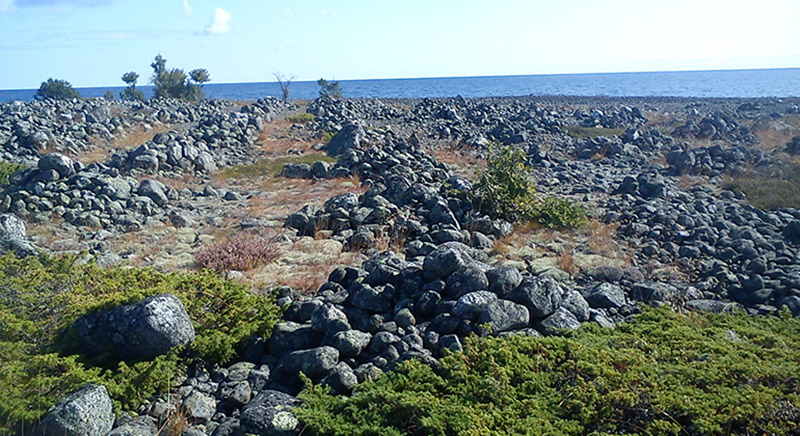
[
  {"x": 576, "y": 304},
  {"x": 405, "y": 318},
  {"x": 63, "y": 165},
  {"x": 290, "y": 336},
  {"x": 141, "y": 426},
  {"x": 503, "y": 280},
  {"x": 450, "y": 343},
  {"x": 85, "y": 412},
  {"x": 466, "y": 279},
  {"x": 350, "y": 343},
  {"x": 504, "y": 315},
  {"x": 313, "y": 363},
  {"x": 155, "y": 191},
  {"x": 138, "y": 331},
  {"x": 270, "y": 414},
  {"x": 561, "y": 319},
  {"x": 236, "y": 393},
  {"x": 341, "y": 379},
  {"x": 13, "y": 236},
  {"x": 327, "y": 318},
  {"x": 605, "y": 295},
  {"x": 442, "y": 262},
  {"x": 205, "y": 162},
  {"x": 470, "y": 305},
  {"x": 199, "y": 407},
  {"x": 541, "y": 295}
]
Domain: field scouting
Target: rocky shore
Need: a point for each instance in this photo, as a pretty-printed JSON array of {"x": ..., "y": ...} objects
[{"x": 366, "y": 205}]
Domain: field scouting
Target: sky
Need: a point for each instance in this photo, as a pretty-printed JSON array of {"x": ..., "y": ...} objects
[{"x": 93, "y": 42}]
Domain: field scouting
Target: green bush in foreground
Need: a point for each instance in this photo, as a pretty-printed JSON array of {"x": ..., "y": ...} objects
[
  {"x": 661, "y": 374},
  {"x": 40, "y": 298},
  {"x": 505, "y": 189}
]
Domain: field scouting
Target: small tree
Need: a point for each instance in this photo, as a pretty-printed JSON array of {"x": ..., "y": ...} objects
[
  {"x": 108, "y": 95},
  {"x": 175, "y": 83},
  {"x": 56, "y": 89},
  {"x": 199, "y": 76},
  {"x": 284, "y": 84},
  {"x": 329, "y": 89},
  {"x": 131, "y": 93}
]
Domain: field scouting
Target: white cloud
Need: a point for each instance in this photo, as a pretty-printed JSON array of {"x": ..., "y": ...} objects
[
  {"x": 219, "y": 22},
  {"x": 187, "y": 8}
]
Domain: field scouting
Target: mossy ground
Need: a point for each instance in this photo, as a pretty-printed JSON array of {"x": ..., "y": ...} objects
[
  {"x": 663, "y": 373},
  {"x": 272, "y": 167},
  {"x": 41, "y": 297},
  {"x": 770, "y": 191}
]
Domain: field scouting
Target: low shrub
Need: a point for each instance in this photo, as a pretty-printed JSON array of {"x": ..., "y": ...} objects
[
  {"x": 41, "y": 297},
  {"x": 663, "y": 373},
  {"x": 774, "y": 190},
  {"x": 300, "y": 118},
  {"x": 242, "y": 253},
  {"x": 56, "y": 89},
  {"x": 7, "y": 169},
  {"x": 505, "y": 189}
]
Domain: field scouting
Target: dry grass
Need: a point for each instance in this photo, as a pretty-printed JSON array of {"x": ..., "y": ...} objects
[
  {"x": 566, "y": 263},
  {"x": 509, "y": 246},
  {"x": 102, "y": 150},
  {"x": 602, "y": 239},
  {"x": 458, "y": 156},
  {"x": 774, "y": 135},
  {"x": 175, "y": 424}
]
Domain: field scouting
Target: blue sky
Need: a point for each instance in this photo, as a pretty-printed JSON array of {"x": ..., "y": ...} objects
[{"x": 93, "y": 42}]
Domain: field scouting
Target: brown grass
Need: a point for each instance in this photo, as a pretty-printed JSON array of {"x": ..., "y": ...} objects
[
  {"x": 566, "y": 263},
  {"x": 175, "y": 424},
  {"x": 458, "y": 156},
  {"x": 774, "y": 135},
  {"x": 602, "y": 239}
]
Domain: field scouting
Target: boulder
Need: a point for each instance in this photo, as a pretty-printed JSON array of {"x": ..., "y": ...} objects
[
  {"x": 605, "y": 295},
  {"x": 138, "y": 331},
  {"x": 541, "y": 295},
  {"x": 13, "y": 236},
  {"x": 85, "y": 412},
  {"x": 561, "y": 319},
  {"x": 313, "y": 363},
  {"x": 63, "y": 165},
  {"x": 504, "y": 315}
]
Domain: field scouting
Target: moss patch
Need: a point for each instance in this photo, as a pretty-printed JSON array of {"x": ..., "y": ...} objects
[
  {"x": 272, "y": 167},
  {"x": 663, "y": 373},
  {"x": 591, "y": 132},
  {"x": 770, "y": 191},
  {"x": 40, "y": 298},
  {"x": 7, "y": 169},
  {"x": 300, "y": 118}
]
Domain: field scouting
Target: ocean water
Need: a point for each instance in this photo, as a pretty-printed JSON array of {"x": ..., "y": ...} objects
[{"x": 724, "y": 83}]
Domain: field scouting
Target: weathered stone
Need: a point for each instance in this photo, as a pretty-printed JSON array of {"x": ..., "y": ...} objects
[{"x": 85, "y": 412}]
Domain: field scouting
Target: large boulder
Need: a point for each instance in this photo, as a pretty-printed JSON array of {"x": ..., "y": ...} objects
[
  {"x": 13, "y": 236},
  {"x": 61, "y": 164},
  {"x": 541, "y": 295},
  {"x": 85, "y": 412},
  {"x": 138, "y": 331},
  {"x": 351, "y": 136}
]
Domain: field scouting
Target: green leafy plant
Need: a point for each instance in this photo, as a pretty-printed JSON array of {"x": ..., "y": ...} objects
[
  {"x": 7, "y": 169},
  {"x": 56, "y": 89},
  {"x": 505, "y": 189},
  {"x": 663, "y": 373},
  {"x": 42, "y": 297}
]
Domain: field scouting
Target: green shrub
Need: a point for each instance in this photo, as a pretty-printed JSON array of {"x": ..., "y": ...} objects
[
  {"x": 327, "y": 136},
  {"x": 301, "y": 118},
  {"x": 505, "y": 189},
  {"x": 557, "y": 213},
  {"x": 7, "y": 169},
  {"x": 40, "y": 298},
  {"x": 661, "y": 374},
  {"x": 56, "y": 89}
]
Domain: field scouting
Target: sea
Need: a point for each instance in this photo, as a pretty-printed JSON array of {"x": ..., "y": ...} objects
[{"x": 715, "y": 84}]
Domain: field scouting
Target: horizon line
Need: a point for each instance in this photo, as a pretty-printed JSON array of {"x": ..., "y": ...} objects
[{"x": 461, "y": 77}]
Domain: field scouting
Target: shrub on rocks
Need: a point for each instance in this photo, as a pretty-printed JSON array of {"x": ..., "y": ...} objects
[{"x": 505, "y": 190}]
